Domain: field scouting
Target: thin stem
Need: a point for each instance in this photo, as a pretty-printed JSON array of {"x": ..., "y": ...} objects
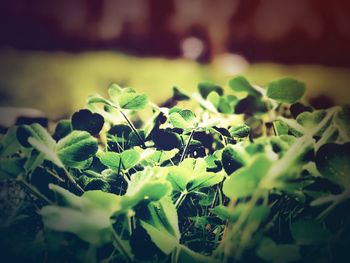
[
  {"x": 338, "y": 200},
  {"x": 325, "y": 136},
  {"x": 35, "y": 191},
  {"x": 72, "y": 180},
  {"x": 324, "y": 121},
  {"x": 231, "y": 233},
  {"x": 187, "y": 145},
  {"x": 121, "y": 246},
  {"x": 55, "y": 175},
  {"x": 132, "y": 127},
  {"x": 180, "y": 199}
]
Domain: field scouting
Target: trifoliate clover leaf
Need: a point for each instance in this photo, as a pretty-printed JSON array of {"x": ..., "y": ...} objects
[
  {"x": 120, "y": 161},
  {"x": 85, "y": 120}
]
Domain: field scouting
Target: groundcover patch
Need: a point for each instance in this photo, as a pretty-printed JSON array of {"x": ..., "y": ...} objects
[{"x": 242, "y": 174}]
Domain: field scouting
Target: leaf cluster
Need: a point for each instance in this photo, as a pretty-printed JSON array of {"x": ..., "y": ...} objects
[{"x": 223, "y": 175}]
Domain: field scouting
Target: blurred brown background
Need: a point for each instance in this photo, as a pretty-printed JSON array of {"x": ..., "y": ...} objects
[
  {"x": 42, "y": 41},
  {"x": 312, "y": 31}
]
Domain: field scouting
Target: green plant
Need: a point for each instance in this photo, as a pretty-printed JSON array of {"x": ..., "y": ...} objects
[{"x": 247, "y": 174}]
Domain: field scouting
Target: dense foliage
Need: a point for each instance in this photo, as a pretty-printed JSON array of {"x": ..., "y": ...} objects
[{"x": 243, "y": 174}]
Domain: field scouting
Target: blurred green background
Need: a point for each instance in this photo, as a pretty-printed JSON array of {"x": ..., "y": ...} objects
[{"x": 59, "y": 83}]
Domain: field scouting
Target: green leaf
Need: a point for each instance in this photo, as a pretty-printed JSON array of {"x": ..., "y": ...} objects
[
  {"x": 341, "y": 121},
  {"x": 208, "y": 199},
  {"x": 9, "y": 144},
  {"x": 281, "y": 144},
  {"x": 191, "y": 175},
  {"x": 309, "y": 120},
  {"x": 92, "y": 99},
  {"x": 179, "y": 94},
  {"x": 154, "y": 157},
  {"x": 63, "y": 128},
  {"x": 49, "y": 153},
  {"x": 76, "y": 147},
  {"x": 309, "y": 232},
  {"x": 226, "y": 104},
  {"x": 241, "y": 84},
  {"x": 10, "y": 168},
  {"x": 257, "y": 215},
  {"x": 37, "y": 137},
  {"x": 178, "y": 177},
  {"x": 245, "y": 180},
  {"x": 166, "y": 140},
  {"x": 240, "y": 131},
  {"x": 286, "y": 90},
  {"x": 204, "y": 179},
  {"x": 111, "y": 160},
  {"x": 162, "y": 224},
  {"x": 333, "y": 162},
  {"x": 224, "y": 213},
  {"x": 87, "y": 216},
  {"x": 114, "y": 90},
  {"x": 35, "y": 131},
  {"x": 132, "y": 101},
  {"x": 274, "y": 253},
  {"x": 148, "y": 185},
  {"x": 233, "y": 157},
  {"x": 84, "y": 225},
  {"x": 214, "y": 98},
  {"x": 85, "y": 120},
  {"x": 163, "y": 240},
  {"x": 252, "y": 105},
  {"x": 206, "y": 87},
  {"x": 183, "y": 119},
  {"x": 129, "y": 159},
  {"x": 281, "y": 128}
]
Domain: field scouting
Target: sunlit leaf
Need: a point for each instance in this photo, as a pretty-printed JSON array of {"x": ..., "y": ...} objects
[
  {"x": 286, "y": 90},
  {"x": 76, "y": 147}
]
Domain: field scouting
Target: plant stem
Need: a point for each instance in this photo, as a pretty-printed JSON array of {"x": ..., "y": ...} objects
[
  {"x": 338, "y": 199},
  {"x": 72, "y": 180},
  {"x": 55, "y": 175},
  {"x": 35, "y": 191},
  {"x": 180, "y": 199},
  {"x": 121, "y": 246},
  {"x": 324, "y": 121},
  {"x": 131, "y": 125},
  {"x": 325, "y": 136},
  {"x": 231, "y": 233},
  {"x": 187, "y": 145}
]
